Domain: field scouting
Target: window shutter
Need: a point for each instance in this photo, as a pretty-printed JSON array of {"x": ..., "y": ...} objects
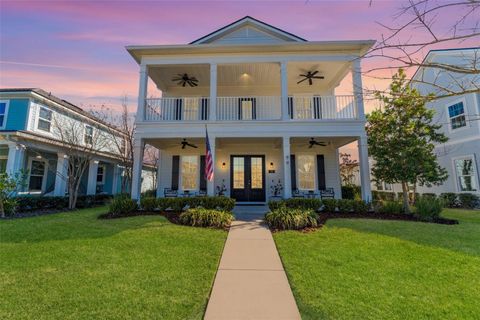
[
  {"x": 254, "y": 108},
  {"x": 293, "y": 172},
  {"x": 204, "y": 109},
  {"x": 203, "y": 180},
  {"x": 290, "y": 107},
  {"x": 317, "y": 108},
  {"x": 175, "y": 172},
  {"x": 178, "y": 109},
  {"x": 321, "y": 172}
]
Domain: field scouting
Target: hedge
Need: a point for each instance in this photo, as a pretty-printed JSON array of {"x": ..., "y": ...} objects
[
  {"x": 180, "y": 204},
  {"x": 34, "y": 203}
]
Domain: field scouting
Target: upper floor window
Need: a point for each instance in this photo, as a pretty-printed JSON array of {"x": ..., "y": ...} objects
[
  {"x": 45, "y": 119},
  {"x": 466, "y": 172},
  {"x": 305, "y": 172},
  {"x": 456, "y": 113},
  {"x": 88, "y": 137},
  {"x": 190, "y": 170},
  {"x": 3, "y": 113}
]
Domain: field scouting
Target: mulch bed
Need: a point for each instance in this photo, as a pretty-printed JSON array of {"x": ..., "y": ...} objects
[{"x": 323, "y": 217}]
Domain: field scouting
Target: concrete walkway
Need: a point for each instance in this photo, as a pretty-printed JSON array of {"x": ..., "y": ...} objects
[{"x": 250, "y": 281}]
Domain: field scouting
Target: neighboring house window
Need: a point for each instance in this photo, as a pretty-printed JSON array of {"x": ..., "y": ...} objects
[
  {"x": 306, "y": 172},
  {"x": 3, "y": 159},
  {"x": 189, "y": 172},
  {"x": 456, "y": 113},
  {"x": 45, "y": 119},
  {"x": 3, "y": 114},
  {"x": 37, "y": 175},
  {"x": 466, "y": 174},
  {"x": 101, "y": 172},
  {"x": 379, "y": 185},
  {"x": 388, "y": 187},
  {"x": 88, "y": 137}
]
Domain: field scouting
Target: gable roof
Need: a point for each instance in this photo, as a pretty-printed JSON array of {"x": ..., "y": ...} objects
[{"x": 247, "y": 20}]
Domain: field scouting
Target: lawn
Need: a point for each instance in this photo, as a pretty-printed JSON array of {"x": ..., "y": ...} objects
[
  {"x": 74, "y": 266},
  {"x": 371, "y": 269}
]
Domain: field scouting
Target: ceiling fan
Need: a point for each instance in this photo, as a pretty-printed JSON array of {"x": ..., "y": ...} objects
[
  {"x": 310, "y": 75},
  {"x": 185, "y": 144},
  {"x": 184, "y": 79},
  {"x": 313, "y": 142}
]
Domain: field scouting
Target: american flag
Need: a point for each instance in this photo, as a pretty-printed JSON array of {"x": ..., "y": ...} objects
[{"x": 208, "y": 160}]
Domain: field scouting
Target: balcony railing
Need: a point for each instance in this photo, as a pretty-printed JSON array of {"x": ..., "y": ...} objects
[{"x": 250, "y": 108}]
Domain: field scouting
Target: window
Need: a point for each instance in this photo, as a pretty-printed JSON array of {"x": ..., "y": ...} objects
[
  {"x": 466, "y": 174},
  {"x": 88, "y": 137},
  {"x": 191, "y": 108},
  {"x": 3, "y": 159},
  {"x": 456, "y": 114},
  {"x": 45, "y": 119},
  {"x": 306, "y": 172},
  {"x": 303, "y": 107},
  {"x": 189, "y": 172},
  {"x": 101, "y": 175},
  {"x": 37, "y": 175},
  {"x": 3, "y": 114},
  {"x": 388, "y": 187}
]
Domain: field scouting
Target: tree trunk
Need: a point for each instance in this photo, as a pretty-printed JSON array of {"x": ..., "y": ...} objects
[
  {"x": 406, "y": 206},
  {"x": 2, "y": 209},
  {"x": 414, "y": 196}
]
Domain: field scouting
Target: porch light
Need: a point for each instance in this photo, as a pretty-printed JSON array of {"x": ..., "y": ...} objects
[
  {"x": 271, "y": 165},
  {"x": 223, "y": 165},
  {"x": 39, "y": 157}
]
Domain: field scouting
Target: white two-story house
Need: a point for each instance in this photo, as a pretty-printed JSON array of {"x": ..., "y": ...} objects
[
  {"x": 459, "y": 115},
  {"x": 268, "y": 100}
]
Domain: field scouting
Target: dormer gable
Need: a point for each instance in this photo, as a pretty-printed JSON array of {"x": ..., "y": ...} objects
[{"x": 248, "y": 31}]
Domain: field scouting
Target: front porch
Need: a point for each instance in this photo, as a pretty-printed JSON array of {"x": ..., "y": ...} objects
[{"x": 252, "y": 170}]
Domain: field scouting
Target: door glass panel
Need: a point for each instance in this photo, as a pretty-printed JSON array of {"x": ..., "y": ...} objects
[
  {"x": 238, "y": 173},
  {"x": 256, "y": 173},
  {"x": 247, "y": 107}
]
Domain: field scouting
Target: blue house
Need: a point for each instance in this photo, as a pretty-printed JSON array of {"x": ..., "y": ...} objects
[{"x": 29, "y": 142}]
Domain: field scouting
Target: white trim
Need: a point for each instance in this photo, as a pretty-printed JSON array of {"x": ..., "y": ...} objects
[
  {"x": 5, "y": 115},
  {"x": 44, "y": 179},
  {"x": 475, "y": 172},
  {"x": 465, "y": 114}
]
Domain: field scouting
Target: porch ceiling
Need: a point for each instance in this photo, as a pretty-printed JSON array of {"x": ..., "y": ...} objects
[{"x": 254, "y": 76}]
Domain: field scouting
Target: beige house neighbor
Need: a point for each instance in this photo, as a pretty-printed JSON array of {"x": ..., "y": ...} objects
[{"x": 268, "y": 99}]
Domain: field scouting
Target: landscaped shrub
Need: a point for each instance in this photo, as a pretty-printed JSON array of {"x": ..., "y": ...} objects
[
  {"x": 345, "y": 205},
  {"x": 389, "y": 207},
  {"x": 329, "y": 205},
  {"x": 10, "y": 206},
  {"x": 428, "y": 209},
  {"x": 291, "y": 219},
  {"x": 152, "y": 193},
  {"x": 383, "y": 195},
  {"x": 305, "y": 204},
  {"x": 468, "y": 200},
  {"x": 275, "y": 204},
  {"x": 351, "y": 192},
  {"x": 217, "y": 202},
  {"x": 429, "y": 195},
  {"x": 201, "y": 217},
  {"x": 180, "y": 204},
  {"x": 122, "y": 205},
  {"x": 450, "y": 199},
  {"x": 148, "y": 203},
  {"x": 360, "y": 206}
]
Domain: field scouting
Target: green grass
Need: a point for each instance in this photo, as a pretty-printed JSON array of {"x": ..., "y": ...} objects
[
  {"x": 371, "y": 269},
  {"x": 74, "y": 266}
]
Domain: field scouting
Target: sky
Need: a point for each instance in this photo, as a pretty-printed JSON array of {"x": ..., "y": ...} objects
[{"x": 76, "y": 49}]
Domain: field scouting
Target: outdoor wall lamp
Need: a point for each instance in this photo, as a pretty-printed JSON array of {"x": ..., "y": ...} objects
[
  {"x": 223, "y": 165},
  {"x": 271, "y": 165}
]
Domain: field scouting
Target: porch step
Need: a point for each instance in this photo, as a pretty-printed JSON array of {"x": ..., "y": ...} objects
[{"x": 250, "y": 213}]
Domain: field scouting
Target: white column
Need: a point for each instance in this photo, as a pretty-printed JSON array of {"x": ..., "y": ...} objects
[
  {"x": 211, "y": 184},
  {"x": 61, "y": 176},
  {"x": 16, "y": 158},
  {"x": 138, "y": 150},
  {"x": 364, "y": 168},
  {"x": 92, "y": 177},
  {"x": 142, "y": 93},
  {"x": 284, "y": 90},
  {"x": 358, "y": 88},
  {"x": 116, "y": 176},
  {"x": 213, "y": 92},
  {"x": 159, "y": 169},
  {"x": 287, "y": 179}
]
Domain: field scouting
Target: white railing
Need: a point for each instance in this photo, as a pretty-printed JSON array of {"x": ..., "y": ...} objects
[
  {"x": 249, "y": 108},
  {"x": 177, "y": 109},
  {"x": 322, "y": 107}
]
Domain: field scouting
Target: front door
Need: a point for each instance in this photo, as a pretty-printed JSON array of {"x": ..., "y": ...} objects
[{"x": 247, "y": 176}]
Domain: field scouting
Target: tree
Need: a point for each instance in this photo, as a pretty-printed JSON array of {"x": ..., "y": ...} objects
[
  {"x": 348, "y": 169},
  {"x": 421, "y": 25},
  {"x": 152, "y": 157},
  {"x": 81, "y": 143},
  {"x": 124, "y": 122},
  {"x": 402, "y": 137},
  {"x": 9, "y": 185}
]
